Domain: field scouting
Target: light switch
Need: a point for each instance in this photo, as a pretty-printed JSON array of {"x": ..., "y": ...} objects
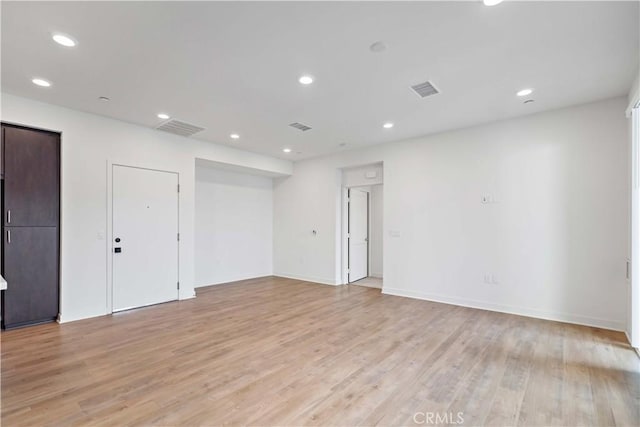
[{"x": 488, "y": 199}]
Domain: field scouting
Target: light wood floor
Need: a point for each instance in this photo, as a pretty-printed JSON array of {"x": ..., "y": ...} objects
[{"x": 276, "y": 351}]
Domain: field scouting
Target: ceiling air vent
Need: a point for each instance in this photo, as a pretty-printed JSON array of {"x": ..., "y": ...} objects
[
  {"x": 425, "y": 89},
  {"x": 300, "y": 126},
  {"x": 179, "y": 128}
]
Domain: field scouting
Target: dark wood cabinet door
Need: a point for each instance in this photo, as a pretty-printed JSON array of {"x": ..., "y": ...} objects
[
  {"x": 2, "y": 152},
  {"x": 31, "y": 177},
  {"x": 31, "y": 270}
]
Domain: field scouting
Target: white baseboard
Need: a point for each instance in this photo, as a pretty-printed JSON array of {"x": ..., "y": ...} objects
[
  {"x": 68, "y": 319},
  {"x": 376, "y": 275},
  {"x": 520, "y": 311},
  {"x": 318, "y": 280},
  {"x": 232, "y": 279}
]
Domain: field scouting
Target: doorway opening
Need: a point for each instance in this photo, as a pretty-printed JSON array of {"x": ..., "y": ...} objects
[{"x": 362, "y": 226}]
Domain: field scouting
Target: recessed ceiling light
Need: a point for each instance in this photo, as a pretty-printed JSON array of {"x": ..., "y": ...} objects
[
  {"x": 306, "y": 80},
  {"x": 104, "y": 98},
  {"x": 525, "y": 92},
  {"x": 41, "y": 82},
  {"x": 234, "y": 136},
  {"x": 491, "y": 2},
  {"x": 286, "y": 150},
  {"x": 163, "y": 116},
  {"x": 64, "y": 40},
  {"x": 387, "y": 125}
]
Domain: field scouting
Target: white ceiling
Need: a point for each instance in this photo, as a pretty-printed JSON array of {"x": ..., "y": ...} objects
[{"x": 234, "y": 67}]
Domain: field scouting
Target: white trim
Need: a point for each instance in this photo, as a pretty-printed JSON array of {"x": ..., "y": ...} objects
[
  {"x": 63, "y": 319},
  {"x": 229, "y": 281},
  {"x": 93, "y": 316},
  {"x": 310, "y": 279},
  {"x": 520, "y": 311}
]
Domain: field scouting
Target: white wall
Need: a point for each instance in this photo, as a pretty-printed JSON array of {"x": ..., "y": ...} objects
[
  {"x": 89, "y": 144},
  {"x": 376, "y": 214},
  {"x": 556, "y": 241},
  {"x": 233, "y": 226}
]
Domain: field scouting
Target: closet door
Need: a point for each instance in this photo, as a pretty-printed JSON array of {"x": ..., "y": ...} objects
[
  {"x": 31, "y": 269},
  {"x": 31, "y": 177}
]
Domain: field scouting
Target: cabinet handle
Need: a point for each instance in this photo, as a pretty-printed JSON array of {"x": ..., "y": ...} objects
[
  {"x": 8, "y": 236},
  {"x": 8, "y": 216}
]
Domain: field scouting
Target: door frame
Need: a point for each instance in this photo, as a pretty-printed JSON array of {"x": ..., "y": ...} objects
[
  {"x": 109, "y": 226},
  {"x": 343, "y": 184}
]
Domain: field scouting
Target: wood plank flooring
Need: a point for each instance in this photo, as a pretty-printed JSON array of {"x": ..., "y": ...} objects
[{"x": 275, "y": 351}]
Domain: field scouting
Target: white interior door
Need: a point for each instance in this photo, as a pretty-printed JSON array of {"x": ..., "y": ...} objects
[
  {"x": 358, "y": 234},
  {"x": 145, "y": 237}
]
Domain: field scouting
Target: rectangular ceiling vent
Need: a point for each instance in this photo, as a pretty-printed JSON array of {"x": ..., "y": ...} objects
[
  {"x": 425, "y": 89},
  {"x": 179, "y": 128},
  {"x": 300, "y": 126}
]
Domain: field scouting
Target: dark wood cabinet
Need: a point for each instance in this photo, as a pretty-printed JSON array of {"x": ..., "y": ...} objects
[
  {"x": 31, "y": 269},
  {"x": 31, "y": 177},
  {"x": 30, "y": 225}
]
